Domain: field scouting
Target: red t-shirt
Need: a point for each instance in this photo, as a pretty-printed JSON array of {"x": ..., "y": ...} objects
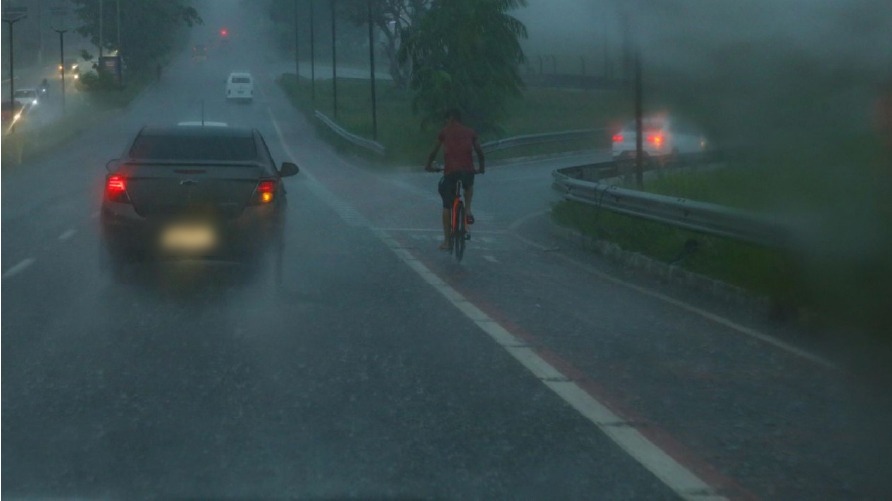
[{"x": 458, "y": 145}]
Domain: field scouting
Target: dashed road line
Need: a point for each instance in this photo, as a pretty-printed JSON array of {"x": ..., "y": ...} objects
[
  {"x": 491, "y": 259},
  {"x": 18, "y": 268},
  {"x": 67, "y": 234}
]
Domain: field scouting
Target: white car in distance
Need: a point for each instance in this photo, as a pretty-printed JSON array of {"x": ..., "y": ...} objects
[
  {"x": 28, "y": 98},
  {"x": 240, "y": 86}
]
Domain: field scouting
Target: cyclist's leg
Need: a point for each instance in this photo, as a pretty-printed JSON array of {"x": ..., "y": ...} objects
[
  {"x": 447, "y": 230},
  {"x": 468, "y": 182},
  {"x": 446, "y": 189},
  {"x": 458, "y": 233}
]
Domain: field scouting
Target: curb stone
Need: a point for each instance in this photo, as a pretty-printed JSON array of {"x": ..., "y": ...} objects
[{"x": 727, "y": 293}]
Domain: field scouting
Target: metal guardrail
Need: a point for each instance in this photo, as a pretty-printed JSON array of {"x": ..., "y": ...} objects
[
  {"x": 533, "y": 139},
  {"x": 581, "y": 184},
  {"x": 499, "y": 144},
  {"x": 349, "y": 136}
]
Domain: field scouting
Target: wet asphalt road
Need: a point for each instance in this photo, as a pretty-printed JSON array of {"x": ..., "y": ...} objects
[{"x": 357, "y": 378}]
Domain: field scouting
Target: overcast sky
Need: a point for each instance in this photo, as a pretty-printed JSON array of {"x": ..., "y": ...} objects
[{"x": 682, "y": 31}]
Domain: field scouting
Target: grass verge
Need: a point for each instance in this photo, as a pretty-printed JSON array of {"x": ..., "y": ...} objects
[{"x": 765, "y": 272}]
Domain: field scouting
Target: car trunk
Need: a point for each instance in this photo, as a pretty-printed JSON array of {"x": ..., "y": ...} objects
[{"x": 217, "y": 191}]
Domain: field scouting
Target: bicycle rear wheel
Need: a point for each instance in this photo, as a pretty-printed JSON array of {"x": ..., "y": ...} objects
[{"x": 458, "y": 232}]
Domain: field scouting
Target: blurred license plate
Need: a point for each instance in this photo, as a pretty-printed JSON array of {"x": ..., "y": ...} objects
[{"x": 189, "y": 237}]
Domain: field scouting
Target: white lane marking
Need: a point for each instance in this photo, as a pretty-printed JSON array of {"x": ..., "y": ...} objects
[
  {"x": 491, "y": 259},
  {"x": 18, "y": 268},
  {"x": 678, "y": 478},
  {"x": 746, "y": 331},
  {"x": 67, "y": 234}
]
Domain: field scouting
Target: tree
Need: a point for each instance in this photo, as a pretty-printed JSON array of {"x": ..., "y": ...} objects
[
  {"x": 392, "y": 18},
  {"x": 465, "y": 54},
  {"x": 147, "y": 31}
]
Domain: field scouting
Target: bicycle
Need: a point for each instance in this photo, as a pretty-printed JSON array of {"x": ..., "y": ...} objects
[{"x": 459, "y": 233}]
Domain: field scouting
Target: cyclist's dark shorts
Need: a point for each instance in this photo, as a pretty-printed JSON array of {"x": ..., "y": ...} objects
[{"x": 448, "y": 182}]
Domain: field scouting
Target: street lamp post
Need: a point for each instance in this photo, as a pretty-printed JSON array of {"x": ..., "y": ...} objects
[
  {"x": 10, "y": 17},
  {"x": 639, "y": 112},
  {"x": 372, "y": 71},
  {"x": 296, "y": 44}
]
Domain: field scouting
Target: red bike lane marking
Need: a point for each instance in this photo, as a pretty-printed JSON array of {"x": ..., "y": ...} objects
[
  {"x": 681, "y": 453},
  {"x": 365, "y": 183}
]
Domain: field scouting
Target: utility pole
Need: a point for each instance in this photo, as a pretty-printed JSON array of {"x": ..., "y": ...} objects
[
  {"x": 101, "y": 33},
  {"x": 627, "y": 46},
  {"x": 11, "y": 16},
  {"x": 334, "y": 57},
  {"x": 639, "y": 112},
  {"x": 313, "y": 51},
  {"x": 40, "y": 32},
  {"x": 118, "y": 21},
  {"x": 372, "y": 71},
  {"x": 60, "y": 29},
  {"x": 62, "y": 63}
]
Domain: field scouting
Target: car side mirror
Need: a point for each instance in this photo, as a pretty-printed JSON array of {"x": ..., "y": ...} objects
[
  {"x": 112, "y": 165},
  {"x": 288, "y": 169}
]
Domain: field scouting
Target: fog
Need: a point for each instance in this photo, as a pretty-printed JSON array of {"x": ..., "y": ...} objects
[
  {"x": 793, "y": 86},
  {"x": 799, "y": 76}
]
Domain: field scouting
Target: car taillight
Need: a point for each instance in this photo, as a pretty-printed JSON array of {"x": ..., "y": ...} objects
[
  {"x": 617, "y": 138},
  {"x": 656, "y": 139},
  {"x": 265, "y": 192},
  {"x": 116, "y": 189}
]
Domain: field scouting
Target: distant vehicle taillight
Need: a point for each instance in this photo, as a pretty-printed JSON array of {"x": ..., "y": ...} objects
[
  {"x": 116, "y": 189},
  {"x": 655, "y": 139},
  {"x": 265, "y": 192},
  {"x": 617, "y": 138}
]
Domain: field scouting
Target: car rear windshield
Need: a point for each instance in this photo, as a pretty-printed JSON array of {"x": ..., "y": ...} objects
[
  {"x": 194, "y": 148},
  {"x": 244, "y": 80}
]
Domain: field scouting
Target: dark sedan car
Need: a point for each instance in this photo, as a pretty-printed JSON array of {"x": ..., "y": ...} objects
[{"x": 194, "y": 191}]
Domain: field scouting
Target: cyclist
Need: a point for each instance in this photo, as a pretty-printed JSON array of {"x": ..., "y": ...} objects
[{"x": 458, "y": 141}]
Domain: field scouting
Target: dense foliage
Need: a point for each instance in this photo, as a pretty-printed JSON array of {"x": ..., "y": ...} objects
[
  {"x": 465, "y": 54},
  {"x": 147, "y": 27},
  {"x": 391, "y": 18}
]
